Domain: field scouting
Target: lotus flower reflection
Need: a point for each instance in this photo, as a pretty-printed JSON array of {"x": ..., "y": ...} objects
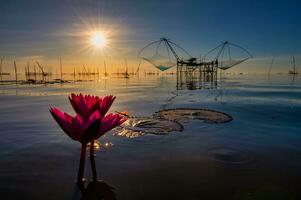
[{"x": 89, "y": 123}]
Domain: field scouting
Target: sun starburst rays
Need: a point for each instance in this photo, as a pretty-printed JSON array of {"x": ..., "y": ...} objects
[{"x": 98, "y": 40}]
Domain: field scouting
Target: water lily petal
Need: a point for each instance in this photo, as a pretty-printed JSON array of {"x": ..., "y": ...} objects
[
  {"x": 109, "y": 122},
  {"x": 105, "y": 103},
  {"x": 84, "y": 105},
  {"x": 76, "y": 127},
  {"x": 64, "y": 120}
]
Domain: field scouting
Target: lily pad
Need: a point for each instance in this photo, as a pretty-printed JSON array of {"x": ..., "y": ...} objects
[{"x": 185, "y": 114}]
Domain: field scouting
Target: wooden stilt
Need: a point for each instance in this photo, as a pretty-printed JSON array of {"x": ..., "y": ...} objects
[{"x": 16, "y": 72}]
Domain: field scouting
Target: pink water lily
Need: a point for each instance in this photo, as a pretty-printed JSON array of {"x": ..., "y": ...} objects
[
  {"x": 76, "y": 127},
  {"x": 84, "y": 105},
  {"x": 109, "y": 122},
  {"x": 90, "y": 123}
]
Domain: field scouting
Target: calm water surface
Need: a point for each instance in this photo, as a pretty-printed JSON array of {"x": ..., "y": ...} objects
[{"x": 255, "y": 156}]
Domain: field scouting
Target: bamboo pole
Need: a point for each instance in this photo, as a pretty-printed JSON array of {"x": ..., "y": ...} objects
[
  {"x": 98, "y": 73},
  {"x": 126, "y": 69},
  {"x": 74, "y": 74},
  {"x": 105, "y": 66},
  {"x": 16, "y": 72},
  {"x": 61, "y": 68},
  {"x": 28, "y": 71},
  {"x": 25, "y": 73},
  {"x": 41, "y": 71},
  {"x": 35, "y": 73},
  {"x": 1, "y": 69}
]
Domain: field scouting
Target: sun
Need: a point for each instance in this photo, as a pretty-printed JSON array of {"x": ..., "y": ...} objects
[{"x": 98, "y": 40}]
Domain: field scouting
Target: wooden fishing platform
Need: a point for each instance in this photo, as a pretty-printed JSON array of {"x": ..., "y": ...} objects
[{"x": 166, "y": 54}]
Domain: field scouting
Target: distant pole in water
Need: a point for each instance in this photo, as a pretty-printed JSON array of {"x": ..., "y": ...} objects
[
  {"x": 16, "y": 72},
  {"x": 294, "y": 71},
  {"x": 84, "y": 70},
  {"x": 270, "y": 68},
  {"x": 61, "y": 68},
  {"x": 41, "y": 71},
  {"x": 138, "y": 68},
  {"x": 126, "y": 69},
  {"x": 105, "y": 66},
  {"x": 1, "y": 69},
  {"x": 35, "y": 73},
  {"x": 294, "y": 64},
  {"x": 25, "y": 68},
  {"x": 28, "y": 71},
  {"x": 98, "y": 73},
  {"x": 74, "y": 74}
]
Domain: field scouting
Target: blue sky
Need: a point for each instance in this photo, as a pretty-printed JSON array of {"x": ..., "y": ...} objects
[{"x": 46, "y": 29}]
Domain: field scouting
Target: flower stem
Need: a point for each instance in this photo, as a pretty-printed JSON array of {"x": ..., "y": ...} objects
[
  {"x": 92, "y": 159},
  {"x": 80, "y": 174}
]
